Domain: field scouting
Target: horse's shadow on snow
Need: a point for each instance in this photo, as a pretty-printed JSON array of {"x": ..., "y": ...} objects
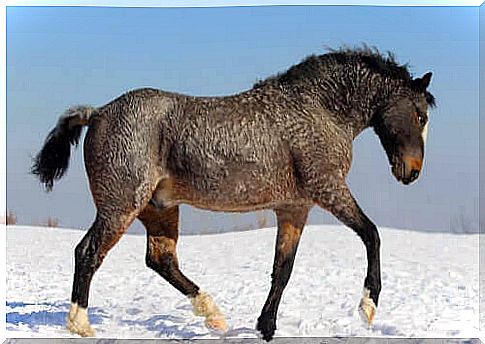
[
  {"x": 166, "y": 325},
  {"x": 51, "y": 314},
  {"x": 38, "y": 314},
  {"x": 180, "y": 327}
]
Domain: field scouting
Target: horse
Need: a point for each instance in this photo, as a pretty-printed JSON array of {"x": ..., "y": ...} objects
[{"x": 285, "y": 144}]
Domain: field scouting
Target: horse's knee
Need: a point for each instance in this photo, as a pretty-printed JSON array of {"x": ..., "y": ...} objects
[
  {"x": 372, "y": 236},
  {"x": 369, "y": 234},
  {"x": 376, "y": 240}
]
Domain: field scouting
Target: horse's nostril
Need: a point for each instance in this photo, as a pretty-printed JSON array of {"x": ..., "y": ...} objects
[{"x": 414, "y": 174}]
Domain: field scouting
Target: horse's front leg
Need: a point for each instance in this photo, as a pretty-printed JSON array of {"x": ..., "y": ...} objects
[
  {"x": 344, "y": 207},
  {"x": 290, "y": 227}
]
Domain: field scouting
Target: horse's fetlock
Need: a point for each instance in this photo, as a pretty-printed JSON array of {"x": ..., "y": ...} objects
[
  {"x": 267, "y": 326},
  {"x": 372, "y": 291},
  {"x": 78, "y": 322}
]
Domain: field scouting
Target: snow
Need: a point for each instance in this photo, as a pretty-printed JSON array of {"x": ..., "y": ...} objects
[{"x": 430, "y": 285}]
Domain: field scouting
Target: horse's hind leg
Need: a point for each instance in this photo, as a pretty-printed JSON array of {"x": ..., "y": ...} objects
[
  {"x": 119, "y": 197},
  {"x": 290, "y": 228},
  {"x": 161, "y": 256},
  {"x": 104, "y": 233}
]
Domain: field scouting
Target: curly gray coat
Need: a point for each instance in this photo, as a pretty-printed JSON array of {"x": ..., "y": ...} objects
[{"x": 285, "y": 144}]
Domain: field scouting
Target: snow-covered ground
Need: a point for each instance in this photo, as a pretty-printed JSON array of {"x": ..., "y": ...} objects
[{"x": 430, "y": 285}]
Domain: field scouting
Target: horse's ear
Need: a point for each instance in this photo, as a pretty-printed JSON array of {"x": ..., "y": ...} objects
[{"x": 422, "y": 83}]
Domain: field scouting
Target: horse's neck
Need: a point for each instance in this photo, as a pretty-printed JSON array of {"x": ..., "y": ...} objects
[
  {"x": 352, "y": 120},
  {"x": 352, "y": 109}
]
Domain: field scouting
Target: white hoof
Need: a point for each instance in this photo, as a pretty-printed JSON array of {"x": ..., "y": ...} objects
[
  {"x": 217, "y": 323},
  {"x": 78, "y": 321},
  {"x": 367, "y": 308},
  {"x": 204, "y": 306}
]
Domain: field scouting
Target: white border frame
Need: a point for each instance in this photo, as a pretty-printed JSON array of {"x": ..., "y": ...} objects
[{"x": 145, "y": 3}]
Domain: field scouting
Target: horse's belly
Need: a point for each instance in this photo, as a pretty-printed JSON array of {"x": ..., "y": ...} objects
[
  {"x": 243, "y": 171},
  {"x": 240, "y": 190},
  {"x": 246, "y": 194}
]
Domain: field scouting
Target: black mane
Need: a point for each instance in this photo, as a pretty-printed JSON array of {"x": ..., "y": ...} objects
[
  {"x": 375, "y": 60},
  {"x": 369, "y": 57}
]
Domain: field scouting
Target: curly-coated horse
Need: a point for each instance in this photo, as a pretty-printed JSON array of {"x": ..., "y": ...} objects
[{"x": 285, "y": 144}]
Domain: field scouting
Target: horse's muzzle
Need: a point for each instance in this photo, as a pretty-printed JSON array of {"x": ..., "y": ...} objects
[{"x": 407, "y": 169}]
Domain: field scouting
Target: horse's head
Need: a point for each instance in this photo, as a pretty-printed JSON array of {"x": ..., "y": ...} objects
[{"x": 402, "y": 127}]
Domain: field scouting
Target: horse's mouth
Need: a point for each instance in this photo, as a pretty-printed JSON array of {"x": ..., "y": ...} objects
[{"x": 399, "y": 172}]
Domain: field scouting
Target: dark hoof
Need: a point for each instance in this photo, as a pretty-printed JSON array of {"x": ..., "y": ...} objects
[{"x": 267, "y": 327}]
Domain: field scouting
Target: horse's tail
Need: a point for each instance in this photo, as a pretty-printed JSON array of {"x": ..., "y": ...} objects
[{"x": 53, "y": 160}]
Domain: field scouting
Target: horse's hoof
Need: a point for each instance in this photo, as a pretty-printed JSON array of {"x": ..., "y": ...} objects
[
  {"x": 203, "y": 305},
  {"x": 367, "y": 308},
  {"x": 217, "y": 323},
  {"x": 78, "y": 322},
  {"x": 267, "y": 327},
  {"x": 80, "y": 329}
]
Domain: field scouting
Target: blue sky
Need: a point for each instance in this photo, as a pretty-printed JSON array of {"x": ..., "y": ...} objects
[{"x": 58, "y": 56}]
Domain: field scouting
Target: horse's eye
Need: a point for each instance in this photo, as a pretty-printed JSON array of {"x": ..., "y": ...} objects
[{"x": 422, "y": 120}]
